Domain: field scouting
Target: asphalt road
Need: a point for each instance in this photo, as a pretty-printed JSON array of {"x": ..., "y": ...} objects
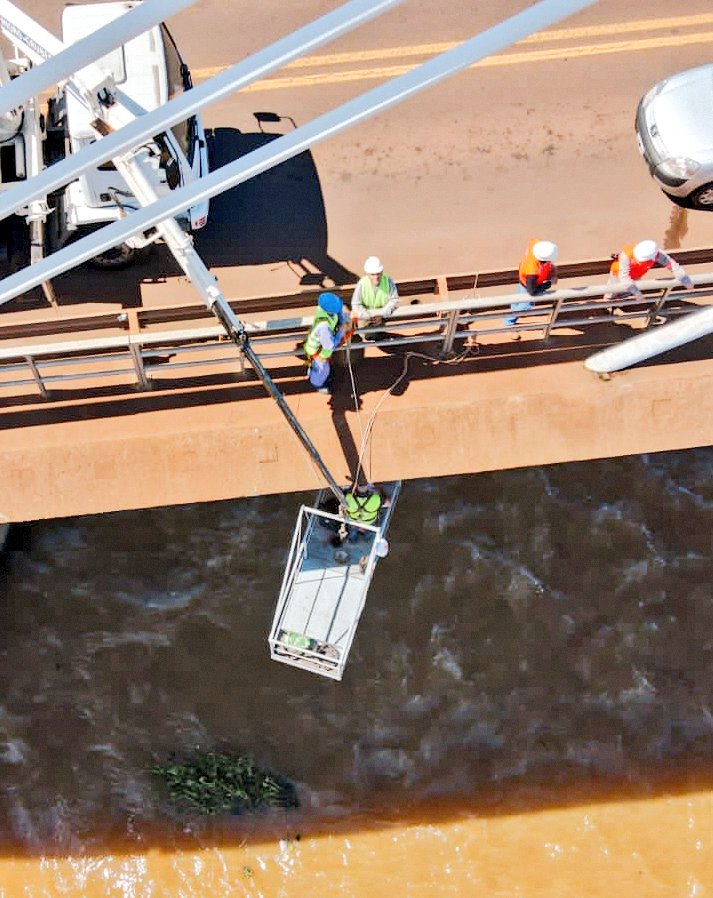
[{"x": 538, "y": 141}]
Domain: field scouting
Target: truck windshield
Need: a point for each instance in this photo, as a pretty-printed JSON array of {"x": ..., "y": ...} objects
[
  {"x": 179, "y": 79},
  {"x": 114, "y": 64}
]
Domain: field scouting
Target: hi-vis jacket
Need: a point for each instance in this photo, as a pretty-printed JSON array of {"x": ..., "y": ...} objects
[
  {"x": 628, "y": 269},
  {"x": 533, "y": 273},
  {"x": 322, "y": 339},
  {"x": 364, "y": 509},
  {"x": 368, "y": 300}
]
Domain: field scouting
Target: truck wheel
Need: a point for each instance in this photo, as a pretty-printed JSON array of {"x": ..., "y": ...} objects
[{"x": 117, "y": 257}]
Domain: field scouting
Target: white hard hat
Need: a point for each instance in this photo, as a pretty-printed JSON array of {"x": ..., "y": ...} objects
[
  {"x": 645, "y": 250},
  {"x": 373, "y": 265},
  {"x": 545, "y": 251}
]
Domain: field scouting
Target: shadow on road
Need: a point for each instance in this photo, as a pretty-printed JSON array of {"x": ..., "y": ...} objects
[{"x": 279, "y": 216}]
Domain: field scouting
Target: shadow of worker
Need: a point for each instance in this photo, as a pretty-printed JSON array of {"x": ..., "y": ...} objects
[{"x": 277, "y": 216}]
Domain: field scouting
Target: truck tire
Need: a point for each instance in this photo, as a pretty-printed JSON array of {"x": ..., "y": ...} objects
[{"x": 117, "y": 257}]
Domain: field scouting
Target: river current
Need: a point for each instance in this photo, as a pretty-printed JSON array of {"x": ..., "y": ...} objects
[{"x": 531, "y": 633}]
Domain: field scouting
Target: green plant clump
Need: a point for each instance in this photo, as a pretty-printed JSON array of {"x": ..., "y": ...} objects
[{"x": 214, "y": 783}]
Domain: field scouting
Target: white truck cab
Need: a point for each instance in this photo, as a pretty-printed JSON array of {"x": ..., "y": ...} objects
[
  {"x": 142, "y": 74},
  {"x": 148, "y": 71}
]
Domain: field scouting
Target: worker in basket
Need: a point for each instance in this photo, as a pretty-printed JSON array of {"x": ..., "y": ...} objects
[{"x": 364, "y": 506}]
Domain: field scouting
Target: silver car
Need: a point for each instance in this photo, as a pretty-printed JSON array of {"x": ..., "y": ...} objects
[{"x": 674, "y": 130}]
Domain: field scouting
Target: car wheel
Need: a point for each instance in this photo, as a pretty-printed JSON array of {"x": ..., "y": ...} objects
[
  {"x": 117, "y": 257},
  {"x": 703, "y": 197}
]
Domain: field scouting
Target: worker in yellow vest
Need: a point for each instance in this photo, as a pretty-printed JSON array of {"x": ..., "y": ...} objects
[
  {"x": 364, "y": 507},
  {"x": 375, "y": 296},
  {"x": 633, "y": 262},
  {"x": 330, "y": 327}
]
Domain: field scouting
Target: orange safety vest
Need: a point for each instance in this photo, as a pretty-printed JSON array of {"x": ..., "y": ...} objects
[
  {"x": 636, "y": 269},
  {"x": 530, "y": 265}
]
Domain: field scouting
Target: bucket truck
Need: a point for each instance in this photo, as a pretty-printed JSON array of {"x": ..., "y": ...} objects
[{"x": 140, "y": 75}]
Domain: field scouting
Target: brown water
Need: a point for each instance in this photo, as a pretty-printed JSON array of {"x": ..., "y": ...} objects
[{"x": 536, "y": 652}]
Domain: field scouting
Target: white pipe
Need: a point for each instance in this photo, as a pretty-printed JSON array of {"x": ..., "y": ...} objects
[
  {"x": 60, "y": 61},
  {"x": 182, "y": 107},
  {"x": 544, "y": 13},
  {"x": 653, "y": 342}
]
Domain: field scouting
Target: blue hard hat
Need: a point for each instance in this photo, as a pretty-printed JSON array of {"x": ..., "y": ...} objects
[{"x": 331, "y": 303}]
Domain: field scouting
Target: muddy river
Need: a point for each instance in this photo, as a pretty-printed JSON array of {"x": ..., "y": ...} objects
[{"x": 527, "y": 709}]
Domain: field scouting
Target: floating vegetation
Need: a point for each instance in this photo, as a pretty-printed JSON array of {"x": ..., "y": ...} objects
[{"x": 214, "y": 783}]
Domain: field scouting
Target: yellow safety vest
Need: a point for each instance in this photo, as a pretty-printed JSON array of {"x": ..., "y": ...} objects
[
  {"x": 312, "y": 345},
  {"x": 374, "y": 298},
  {"x": 364, "y": 509}
]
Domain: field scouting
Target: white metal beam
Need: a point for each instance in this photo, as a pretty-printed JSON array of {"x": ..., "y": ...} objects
[
  {"x": 652, "y": 343},
  {"x": 63, "y": 61},
  {"x": 304, "y": 40},
  {"x": 542, "y": 14}
]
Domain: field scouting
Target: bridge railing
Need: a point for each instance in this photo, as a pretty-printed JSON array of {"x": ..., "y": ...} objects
[{"x": 142, "y": 360}]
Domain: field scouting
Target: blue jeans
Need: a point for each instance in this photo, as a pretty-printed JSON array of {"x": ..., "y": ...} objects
[
  {"x": 518, "y": 307},
  {"x": 319, "y": 372}
]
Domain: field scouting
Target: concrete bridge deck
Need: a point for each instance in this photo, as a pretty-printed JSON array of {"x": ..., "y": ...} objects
[{"x": 503, "y": 405}]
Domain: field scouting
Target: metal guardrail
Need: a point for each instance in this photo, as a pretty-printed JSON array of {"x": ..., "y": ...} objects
[{"x": 134, "y": 356}]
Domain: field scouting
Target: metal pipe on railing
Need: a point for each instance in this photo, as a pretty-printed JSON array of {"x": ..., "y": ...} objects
[{"x": 652, "y": 343}]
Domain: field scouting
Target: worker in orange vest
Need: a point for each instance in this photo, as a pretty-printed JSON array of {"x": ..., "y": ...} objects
[
  {"x": 537, "y": 274},
  {"x": 632, "y": 263}
]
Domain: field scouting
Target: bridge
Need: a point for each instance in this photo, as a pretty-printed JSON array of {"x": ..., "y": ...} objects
[
  {"x": 152, "y": 405},
  {"x": 105, "y": 408}
]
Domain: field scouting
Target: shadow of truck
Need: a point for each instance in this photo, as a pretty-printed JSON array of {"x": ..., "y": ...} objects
[{"x": 278, "y": 216}]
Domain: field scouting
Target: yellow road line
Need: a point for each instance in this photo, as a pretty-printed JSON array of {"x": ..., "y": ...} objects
[
  {"x": 575, "y": 52},
  {"x": 561, "y": 34},
  {"x": 541, "y": 37}
]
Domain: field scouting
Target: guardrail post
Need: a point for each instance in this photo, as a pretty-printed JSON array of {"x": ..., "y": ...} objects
[
  {"x": 135, "y": 350},
  {"x": 452, "y": 318},
  {"x": 37, "y": 376},
  {"x": 553, "y": 318},
  {"x": 655, "y": 310},
  {"x": 137, "y": 359},
  {"x": 450, "y": 333}
]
